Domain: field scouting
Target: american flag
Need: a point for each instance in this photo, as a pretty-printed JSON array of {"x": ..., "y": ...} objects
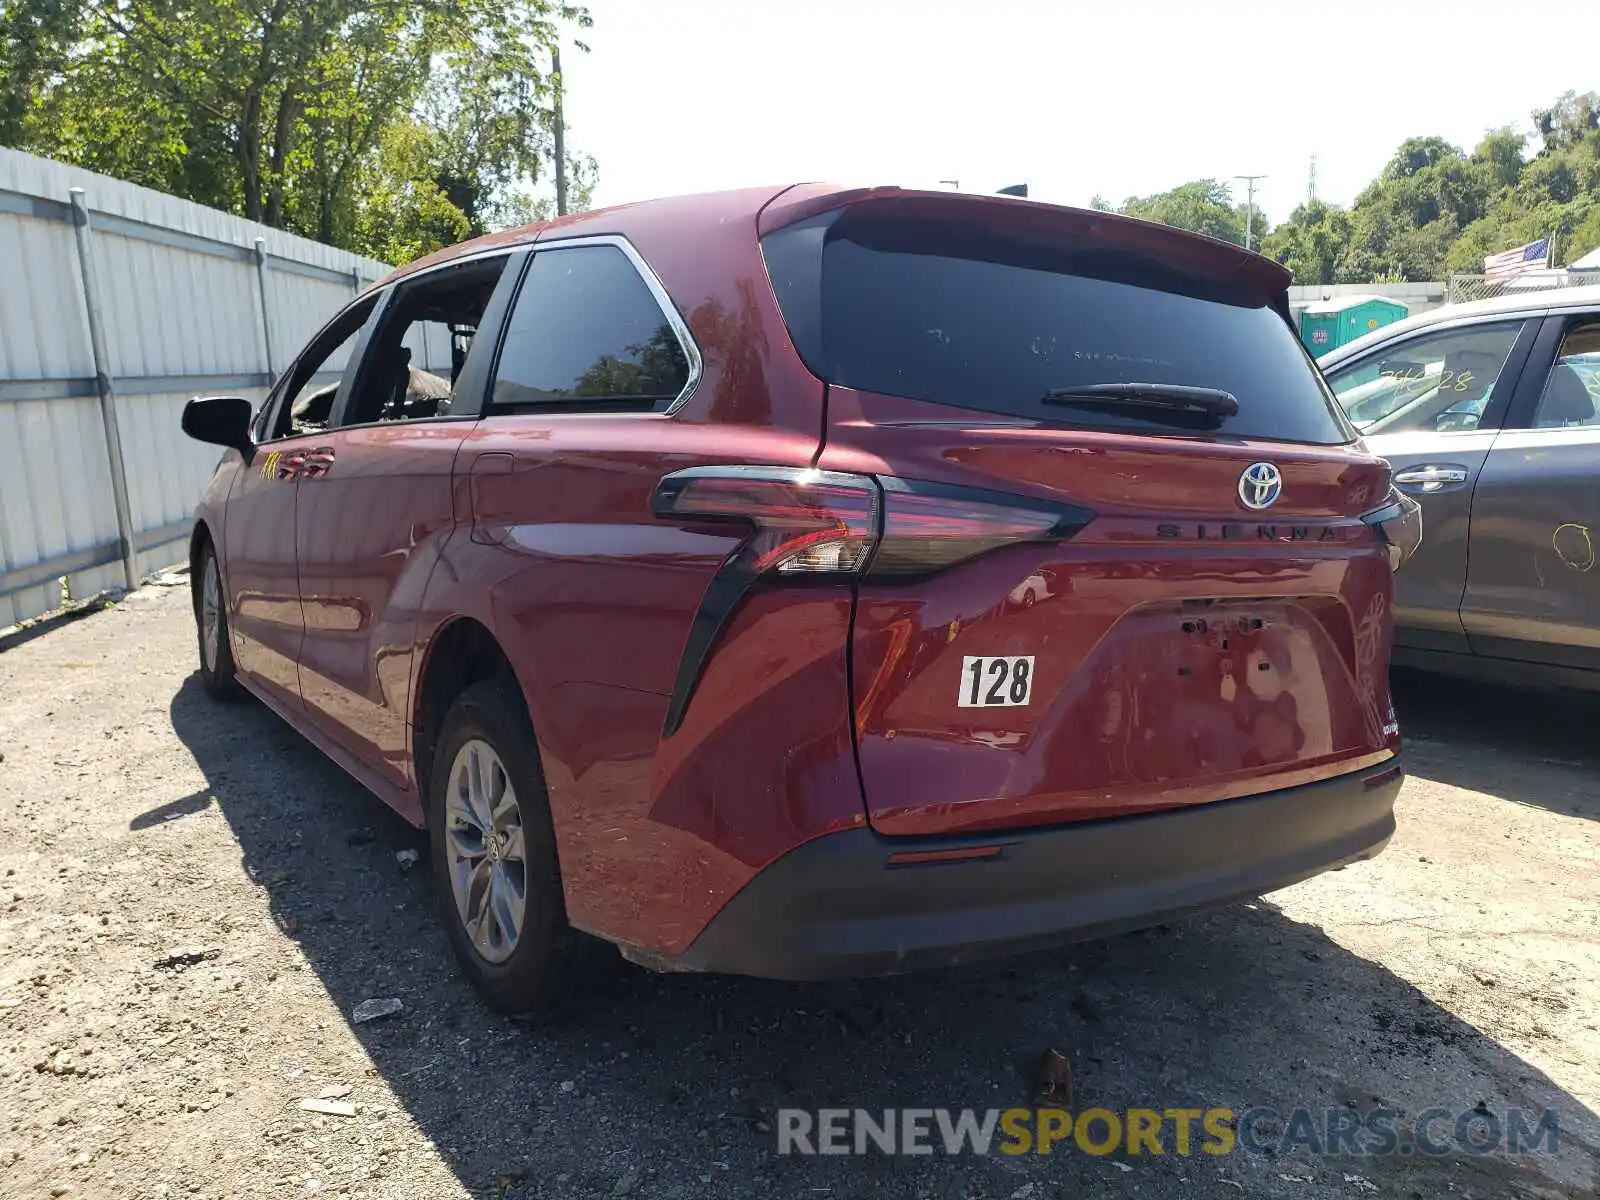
[{"x": 1532, "y": 257}]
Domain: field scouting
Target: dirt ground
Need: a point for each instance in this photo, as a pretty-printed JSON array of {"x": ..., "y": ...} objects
[{"x": 193, "y": 901}]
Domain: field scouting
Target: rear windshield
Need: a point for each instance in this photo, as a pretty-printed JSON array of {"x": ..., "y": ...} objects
[{"x": 945, "y": 313}]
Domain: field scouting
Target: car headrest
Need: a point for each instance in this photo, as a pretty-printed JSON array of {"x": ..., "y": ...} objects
[
  {"x": 1479, "y": 368},
  {"x": 1566, "y": 400}
]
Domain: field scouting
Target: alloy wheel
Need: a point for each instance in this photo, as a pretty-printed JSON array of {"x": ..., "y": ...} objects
[{"x": 486, "y": 851}]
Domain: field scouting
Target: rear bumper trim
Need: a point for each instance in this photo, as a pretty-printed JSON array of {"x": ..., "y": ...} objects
[{"x": 835, "y": 907}]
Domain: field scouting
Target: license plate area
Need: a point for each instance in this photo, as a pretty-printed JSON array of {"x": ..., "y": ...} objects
[{"x": 1222, "y": 638}]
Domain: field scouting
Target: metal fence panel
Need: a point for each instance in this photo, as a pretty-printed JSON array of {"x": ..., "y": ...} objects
[
  {"x": 186, "y": 300},
  {"x": 298, "y": 306}
]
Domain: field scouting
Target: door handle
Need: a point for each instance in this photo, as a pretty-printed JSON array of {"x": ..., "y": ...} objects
[
  {"x": 314, "y": 464},
  {"x": 1430, "y": 478}
]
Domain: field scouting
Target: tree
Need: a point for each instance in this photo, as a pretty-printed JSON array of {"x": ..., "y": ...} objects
[
  {"x": 35, "y": 39},
  {"x": 294, "y": 112},
  {"x": 1203, "y": 206},
  {"x": 1259, "y": 225},
  {"x": 1432, "y": 210},
  {"x": 1500, "y": 154},
  {"x": 1416, "y": 155},
  {"x": 1571, "y": 121},
  {"x": 1313, "y": 243}
]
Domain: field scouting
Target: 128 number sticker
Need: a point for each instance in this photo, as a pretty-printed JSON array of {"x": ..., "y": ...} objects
[{"x": 996, "y": 682}]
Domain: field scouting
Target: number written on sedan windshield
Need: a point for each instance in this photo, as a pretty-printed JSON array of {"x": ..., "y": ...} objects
[{"x": 996, "y": 682}]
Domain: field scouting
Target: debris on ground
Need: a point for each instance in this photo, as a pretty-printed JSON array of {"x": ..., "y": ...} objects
[
  {"x": 407, "y": 859},
  {"x": 334, "y": 1091},
  {"x": 333, "y": 1108},
  {"x": 372, "y": 1010},
  {"x": 190, "y": 957},
  {"x": 1052, "y": 1081}
]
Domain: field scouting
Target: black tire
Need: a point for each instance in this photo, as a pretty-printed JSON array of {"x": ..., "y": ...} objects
[
  {"x": 217, "y": 671},
  {"x": 521, "y": 984}
]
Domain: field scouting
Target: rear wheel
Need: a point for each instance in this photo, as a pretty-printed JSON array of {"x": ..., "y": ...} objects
[
  {"x": 493, "y": 850},
  {"x": 217, "y": 671}
]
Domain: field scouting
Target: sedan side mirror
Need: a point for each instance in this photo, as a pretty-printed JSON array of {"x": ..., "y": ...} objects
[{"x": 220, "y": 421}]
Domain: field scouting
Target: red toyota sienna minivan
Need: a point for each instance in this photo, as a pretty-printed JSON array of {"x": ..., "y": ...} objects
[{"x": 808, "y": 582}]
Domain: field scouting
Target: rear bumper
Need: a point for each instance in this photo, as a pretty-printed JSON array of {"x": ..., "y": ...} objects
[{"x": 834, "y": 908}]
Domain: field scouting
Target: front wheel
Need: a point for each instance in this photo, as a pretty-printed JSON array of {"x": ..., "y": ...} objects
[
  {"x": 493, "y": 850},
  {"x": 217, "y": 670}
]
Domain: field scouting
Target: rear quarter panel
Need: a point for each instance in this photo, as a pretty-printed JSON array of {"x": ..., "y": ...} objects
[{"x": 592, "y": 598}]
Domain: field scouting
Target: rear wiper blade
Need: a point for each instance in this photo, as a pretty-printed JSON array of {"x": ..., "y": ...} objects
[{"x": 1167, "y": 397}]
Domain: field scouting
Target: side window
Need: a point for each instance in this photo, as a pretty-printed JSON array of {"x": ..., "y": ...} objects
[
  {"x": 312, "y": 383},
  {"x": 1572, "y": 393},
  {"x": 1439, "y": 382},
  {"x": 587, "y": 334},
  {"x": 415, "y": 356}
]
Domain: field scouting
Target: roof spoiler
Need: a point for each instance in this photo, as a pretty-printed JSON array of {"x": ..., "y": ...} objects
[{"x": 1191, "y": 251}]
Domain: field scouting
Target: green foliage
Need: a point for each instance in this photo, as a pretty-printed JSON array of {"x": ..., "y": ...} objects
[
  {"x": 386, "y": 127},
  {"x": 1311, "y": 242},
  {"x": 34, "y": 40},
  {"x": 1433, "y": 209},
  {"x": 1204, "y": 206}
]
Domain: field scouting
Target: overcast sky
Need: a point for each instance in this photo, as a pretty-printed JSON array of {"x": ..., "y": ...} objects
[{"x": 1117, "y": 97}]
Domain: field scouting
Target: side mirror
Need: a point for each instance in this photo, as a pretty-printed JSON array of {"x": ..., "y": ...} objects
[{"x": 220, "y": 421}]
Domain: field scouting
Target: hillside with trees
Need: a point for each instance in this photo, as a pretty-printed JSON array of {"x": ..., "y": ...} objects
[
  {"x": 1435, "y": 208},
  {"x": 386, "y": 128}
]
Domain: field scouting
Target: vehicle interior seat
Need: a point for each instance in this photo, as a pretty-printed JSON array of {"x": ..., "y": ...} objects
[{"x": 1566, "y": 401}]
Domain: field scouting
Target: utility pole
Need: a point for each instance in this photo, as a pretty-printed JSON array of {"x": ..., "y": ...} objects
[
  {"x": 1250, "y": 205},
  {"x": 561, "y": 136},
  {"x": 1311, "y": 185}
]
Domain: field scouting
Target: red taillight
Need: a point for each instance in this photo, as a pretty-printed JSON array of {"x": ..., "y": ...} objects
[
  {"x": 806, "y": 523},
  {"x": 1399, "y": 523},
  {"x": 928, "y": 527}
]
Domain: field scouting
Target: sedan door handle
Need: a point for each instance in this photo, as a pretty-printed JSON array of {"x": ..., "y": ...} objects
[{"x": 1430, "y": 478}]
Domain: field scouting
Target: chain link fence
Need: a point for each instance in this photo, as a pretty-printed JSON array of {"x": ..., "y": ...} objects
[{"x": 1475, "y": 287}]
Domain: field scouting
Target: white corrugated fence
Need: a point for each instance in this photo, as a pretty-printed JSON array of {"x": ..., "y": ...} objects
[{"x": 187, "y": 300}]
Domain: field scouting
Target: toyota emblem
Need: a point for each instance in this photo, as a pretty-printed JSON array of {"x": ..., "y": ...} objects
[{"x": 1260, "y": 485}]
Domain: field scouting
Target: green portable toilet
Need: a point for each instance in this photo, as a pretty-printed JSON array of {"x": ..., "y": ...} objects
[{"x": 1330, "y": 323}]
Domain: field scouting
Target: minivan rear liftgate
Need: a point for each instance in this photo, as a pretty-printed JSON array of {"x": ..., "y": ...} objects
[{"x": 1114, "y": 551}]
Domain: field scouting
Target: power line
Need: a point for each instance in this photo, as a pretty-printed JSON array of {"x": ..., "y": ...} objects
[{"x": 1250, "y": 205}]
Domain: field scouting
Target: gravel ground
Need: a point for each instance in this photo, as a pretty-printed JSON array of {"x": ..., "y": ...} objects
[{"x": 192, "y": 901}]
